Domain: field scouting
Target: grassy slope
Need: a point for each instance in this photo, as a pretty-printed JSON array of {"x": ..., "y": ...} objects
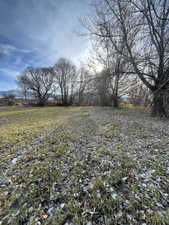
[{"x": 96, "y": 166}]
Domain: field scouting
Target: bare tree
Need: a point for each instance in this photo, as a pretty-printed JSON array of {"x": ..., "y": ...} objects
[
  {"x": 102, "y": 83},
  {"x": 83, "y": 81},
  {"x": 10, "y": 99},
  {"x": 112, "y": 78},
  {"x": 144, "y": 28},
  {"x": 65, "y": 74},
  {"x": 22, "y": 82},
  {"x": 139, "y": 94},
  {"x": 39, "y": 81}
]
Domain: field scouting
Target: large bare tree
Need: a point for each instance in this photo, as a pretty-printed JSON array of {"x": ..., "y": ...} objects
[
  {"x": 143, "y": 26},
  {"x": 65, "y": 75},
  {"x": 39, "y": 81}
]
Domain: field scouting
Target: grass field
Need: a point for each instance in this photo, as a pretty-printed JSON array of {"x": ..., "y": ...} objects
[{"x": 83, "y": 166}]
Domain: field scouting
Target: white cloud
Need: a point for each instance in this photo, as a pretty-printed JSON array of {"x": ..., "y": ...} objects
[
  {"x": 7, "y": 49},
  {"x": 9, "y": 72},
  {"x": 43, "y": 27}
]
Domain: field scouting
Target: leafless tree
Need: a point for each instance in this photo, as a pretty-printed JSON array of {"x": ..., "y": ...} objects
[
  {"x": 10, "y": 99},
  {"x": 84, "y": 78},
  {"x": 102, "y": 84},
  {"x": 65, "y": 75},
  {"x": 39, "y": 81},
  {"x": 143, "y": 25},
  {"x": 139, "y": 94},
  {"x": 112, "y": 78},
  {"x": 24, "y": 89}
]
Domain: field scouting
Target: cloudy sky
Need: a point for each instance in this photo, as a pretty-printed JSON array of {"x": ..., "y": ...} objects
[{"x": 37, "y": 33}]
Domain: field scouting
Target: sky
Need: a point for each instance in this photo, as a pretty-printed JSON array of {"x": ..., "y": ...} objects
[{"x": 37, "y": 33}]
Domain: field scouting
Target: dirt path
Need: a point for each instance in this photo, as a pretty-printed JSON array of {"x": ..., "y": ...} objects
[{"x": 100, "y": 167}]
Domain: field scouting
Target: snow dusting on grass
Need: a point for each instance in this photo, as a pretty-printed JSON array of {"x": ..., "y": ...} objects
[{"x": 88, "y": 165}]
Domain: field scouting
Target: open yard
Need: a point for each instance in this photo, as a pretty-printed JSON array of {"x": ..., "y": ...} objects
[{"x": 83, "y": 166}]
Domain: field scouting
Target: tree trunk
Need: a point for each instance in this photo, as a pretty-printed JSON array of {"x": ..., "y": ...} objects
[
  {"x": 41, "y": 102},
  {"x": 115, "y": 102},
  {"x": 160, "y": 104}
]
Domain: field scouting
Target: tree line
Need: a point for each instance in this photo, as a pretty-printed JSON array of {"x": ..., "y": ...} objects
[
  {"x": 130, "y": 40},
  {"x": 61, "y": 80},
  {"x": 69, "y": 85}
]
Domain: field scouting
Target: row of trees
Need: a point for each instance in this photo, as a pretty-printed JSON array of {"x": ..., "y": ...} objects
[
  {"x": 69, "y": 85},
  {"x": 61, "y": 80},
  {"x": 131, "y": 39}
]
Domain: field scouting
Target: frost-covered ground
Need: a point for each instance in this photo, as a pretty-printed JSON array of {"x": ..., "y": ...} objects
[{"x": 88, "y": 166}]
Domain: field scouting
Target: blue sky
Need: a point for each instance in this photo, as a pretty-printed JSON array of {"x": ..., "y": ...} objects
[{"x": 37, "y": 33}]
